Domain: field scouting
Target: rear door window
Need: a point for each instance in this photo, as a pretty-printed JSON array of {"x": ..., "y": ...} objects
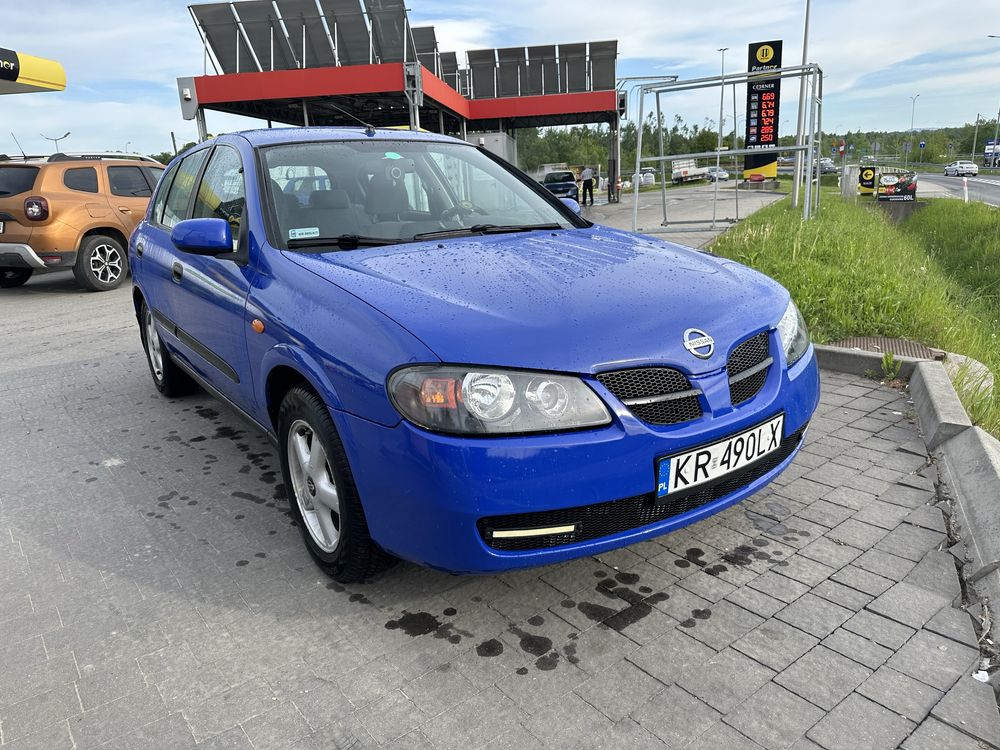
[
  {"x": 178, "y": 199},
  {"x": 83, "y": 179},
  {"x": 16, "y": 180},
  {"x": 128, "y": 182}
]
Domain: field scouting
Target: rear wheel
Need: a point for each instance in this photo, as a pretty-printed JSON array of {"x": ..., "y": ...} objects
[
  {"x": 321, "y": 491},
  {"x": 12, "y": 277},
  {"x": 101, "y": 264},
  {"x": 169, "y": 379}
]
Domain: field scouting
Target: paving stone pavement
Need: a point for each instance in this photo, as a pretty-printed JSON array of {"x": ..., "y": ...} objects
[{"x": 154, "y": 593}]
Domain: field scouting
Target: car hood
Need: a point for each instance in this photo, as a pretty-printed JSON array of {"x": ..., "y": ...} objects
[{"x": 578, "y": 300}]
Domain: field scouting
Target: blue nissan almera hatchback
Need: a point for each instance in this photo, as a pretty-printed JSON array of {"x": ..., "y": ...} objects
[{"x": 457, "y": 368}]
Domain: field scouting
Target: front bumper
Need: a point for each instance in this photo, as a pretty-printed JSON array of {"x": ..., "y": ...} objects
[
  {"x": 424, "y": 493},
  {"x": 20, "y": 255}
]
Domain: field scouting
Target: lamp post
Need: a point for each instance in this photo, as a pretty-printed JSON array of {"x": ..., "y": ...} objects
[
  {"x": 56, "y": 140},
  {"x": 913, "y": 109},
  {"x": 996, "y": 130},
  {"x": 127, "y": 144},
  {"x": 718, "y": 147}
]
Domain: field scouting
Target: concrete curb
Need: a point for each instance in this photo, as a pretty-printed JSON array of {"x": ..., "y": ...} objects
[
  {"x": 858, "y": 362},
  {"x": 942, "y": 415},
  {"x": 969, "y": 457}
]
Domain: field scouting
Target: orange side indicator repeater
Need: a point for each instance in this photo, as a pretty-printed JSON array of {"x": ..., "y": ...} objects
[{"x": 257, "y": 325}]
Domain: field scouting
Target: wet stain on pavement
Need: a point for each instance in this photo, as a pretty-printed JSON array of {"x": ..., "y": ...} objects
[{"x": 490, "y": 648}]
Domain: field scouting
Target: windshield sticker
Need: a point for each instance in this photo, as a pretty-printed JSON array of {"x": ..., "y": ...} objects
[
  {"x": 303, "y": 233},
  {"x": 392, "y": 155}
]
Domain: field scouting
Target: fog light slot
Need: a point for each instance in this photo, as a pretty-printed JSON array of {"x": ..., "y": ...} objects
[{"x": 569, "y": 528}]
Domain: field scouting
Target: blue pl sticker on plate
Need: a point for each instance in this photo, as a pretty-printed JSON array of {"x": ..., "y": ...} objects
[{"x": 663, "y": 478}]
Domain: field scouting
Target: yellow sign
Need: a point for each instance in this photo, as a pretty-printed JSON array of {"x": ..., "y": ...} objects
[
  {"x": 765, "y": 53},
  {"x": 21, "y": 73}
]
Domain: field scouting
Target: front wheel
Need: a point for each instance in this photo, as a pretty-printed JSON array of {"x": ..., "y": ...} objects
[
  {"x": 12, "y": 277},
  {"x": 101, "y": 264},
  {"x": 322, "y": 494}
]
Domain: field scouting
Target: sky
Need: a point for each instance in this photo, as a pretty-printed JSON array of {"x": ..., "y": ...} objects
[{"x": 122, "y": 59}]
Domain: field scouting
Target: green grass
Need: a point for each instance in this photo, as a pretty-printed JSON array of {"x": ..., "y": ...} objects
[{"x": 933, "y": 279}]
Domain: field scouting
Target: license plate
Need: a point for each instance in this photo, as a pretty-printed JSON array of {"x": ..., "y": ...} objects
[{"x": 710, "y": 462}]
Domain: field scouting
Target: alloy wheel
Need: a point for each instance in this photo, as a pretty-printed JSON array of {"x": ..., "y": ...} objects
[
  {"x": 153, "y": 347},
  {"x": 313, "y": 485},
  {"x": 106, "y": 263}
]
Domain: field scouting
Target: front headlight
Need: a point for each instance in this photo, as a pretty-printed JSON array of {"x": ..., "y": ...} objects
[
  {"x": 486, "y": 401},
  {"x": 793, "y": 333}
]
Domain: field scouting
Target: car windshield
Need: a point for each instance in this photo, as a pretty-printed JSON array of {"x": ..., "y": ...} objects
[
  {"x": 558, "y": 177},
  {"x": 395, "y": 190}
]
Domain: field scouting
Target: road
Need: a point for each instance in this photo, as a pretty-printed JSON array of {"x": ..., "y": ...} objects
[
  {"x": 154, "y": 592},
  {"x": 982, "y": 189}
]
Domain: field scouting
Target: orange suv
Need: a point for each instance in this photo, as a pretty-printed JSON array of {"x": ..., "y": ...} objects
[{"x": 76, "y": 212}]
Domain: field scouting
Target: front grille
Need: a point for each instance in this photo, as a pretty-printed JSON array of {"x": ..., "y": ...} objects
[
  {"x": 747, "y": 368},
  {"x": 604, "y": 519},
  {"x": 657, "y": 395}
]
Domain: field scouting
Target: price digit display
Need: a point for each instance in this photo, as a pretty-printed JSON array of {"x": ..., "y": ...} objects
[{"x": 763, "y": 100}]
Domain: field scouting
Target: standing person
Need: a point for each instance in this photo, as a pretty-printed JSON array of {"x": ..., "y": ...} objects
[{"x": 587, "y": 178}]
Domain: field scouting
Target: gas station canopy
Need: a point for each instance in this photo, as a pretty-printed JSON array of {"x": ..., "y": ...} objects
[{"x": 21, "y": 73}]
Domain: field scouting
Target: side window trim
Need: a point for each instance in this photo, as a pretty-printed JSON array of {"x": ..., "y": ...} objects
[{"x": 196, "y": 182}]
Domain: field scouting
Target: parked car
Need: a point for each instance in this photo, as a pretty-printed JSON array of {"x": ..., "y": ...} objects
[
  {"x": 961, "y": 168},
  {"x": 456, "y": 367},
  {"x": 562, "y": 185},
  {"x": 784, "y": 159},
  {"x": 826, "y": 165},
  {"x": 77, "y": 212},
  {"x": 717, "y": 173}
]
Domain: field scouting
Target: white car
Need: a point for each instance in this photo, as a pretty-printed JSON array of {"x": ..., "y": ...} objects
[
  {"x": 717, "y": 173},
  {"x": 961, "y": 168}
]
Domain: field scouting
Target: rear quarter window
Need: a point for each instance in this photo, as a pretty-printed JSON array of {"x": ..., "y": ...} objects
[
  {"x": 83, "y": 179},
  {"x": 16, "y": 180}
]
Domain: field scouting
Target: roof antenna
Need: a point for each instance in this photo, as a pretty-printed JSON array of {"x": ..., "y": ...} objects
[
  {"x": 19, "y": 146},
  {"x": 369, "y": 128}
]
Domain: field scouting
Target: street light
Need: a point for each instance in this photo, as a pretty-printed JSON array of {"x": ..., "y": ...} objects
[
  {"x": 913, "y": 109},
  {"x": 127, "y": 144},
  {"x": 56, "y": 140}
]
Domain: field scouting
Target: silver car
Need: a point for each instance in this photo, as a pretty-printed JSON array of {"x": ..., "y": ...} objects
[{"x": 961, "y": 168}]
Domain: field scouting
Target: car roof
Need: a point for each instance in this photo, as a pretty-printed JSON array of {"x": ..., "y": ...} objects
[{"x": 272, "y": 136}]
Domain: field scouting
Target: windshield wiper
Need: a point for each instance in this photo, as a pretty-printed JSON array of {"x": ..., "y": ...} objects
[
  {"x": 485, "y": 229},
  {"x": 343, "y": 242}
]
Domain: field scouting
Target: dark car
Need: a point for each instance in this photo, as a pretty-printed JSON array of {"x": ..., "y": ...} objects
[{"x": 562, "y": 185}]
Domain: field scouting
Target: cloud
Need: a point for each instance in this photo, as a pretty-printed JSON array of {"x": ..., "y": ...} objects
[{"x": 122, "y": 58}]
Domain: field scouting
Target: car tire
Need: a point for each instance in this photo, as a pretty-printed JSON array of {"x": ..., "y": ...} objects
[
  {"x": 321, "y": 491},
  {"x": 169, "y": 379},
  {"x": 13, "y": 277},
  {"x": 101, "y": 264}
]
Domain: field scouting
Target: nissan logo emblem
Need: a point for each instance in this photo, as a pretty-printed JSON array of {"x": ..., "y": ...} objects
[{"x": 699, "y": 343}]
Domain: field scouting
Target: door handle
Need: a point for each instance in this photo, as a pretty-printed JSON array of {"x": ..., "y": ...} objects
[
  {"x": 177, "y": 272},
  {"x": 125, "y": 210},
  {"x": 138, "y": 249}
]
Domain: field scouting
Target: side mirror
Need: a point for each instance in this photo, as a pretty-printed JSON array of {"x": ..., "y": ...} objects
[
  {"x": 203, "y": 236},
  {"x": 572, "y": 205}
]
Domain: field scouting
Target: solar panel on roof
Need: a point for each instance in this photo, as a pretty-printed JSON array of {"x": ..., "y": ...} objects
[
  {"x": 573, "y": 67},
  {"x": 449, "y": 69},
  {"x": 306, "y": 34},
  {"x": 542, "y": 77},
  {"x": 390, "y": 30},
  {"x": 261, "y": 25},
  {"x": 603, "y": 62},
  {"x": 425, "y": 43},
  {"x": 483, "y": 70},
  {"x": 216, "y": 20},
  {"x": 349, "y": 31},
  {"x": 511, "y": 71}
]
